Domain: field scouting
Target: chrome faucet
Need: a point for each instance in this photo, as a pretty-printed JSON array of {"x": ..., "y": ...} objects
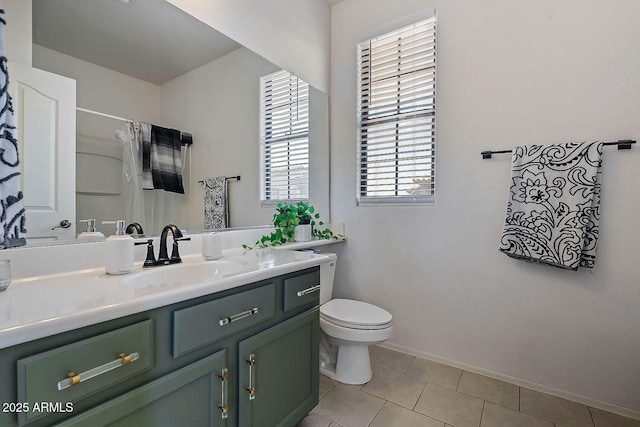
[{"x": 163, "y": 257}]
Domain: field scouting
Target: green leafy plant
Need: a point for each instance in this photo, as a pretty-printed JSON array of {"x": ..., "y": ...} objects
[{"x": 286, "y": 218}]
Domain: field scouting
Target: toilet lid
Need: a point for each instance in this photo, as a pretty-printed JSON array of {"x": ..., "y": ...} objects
[{"x": 355, "y": 314}]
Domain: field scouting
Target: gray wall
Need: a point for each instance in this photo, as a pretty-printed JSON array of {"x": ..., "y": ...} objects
[{"x": 509, "y": 73}]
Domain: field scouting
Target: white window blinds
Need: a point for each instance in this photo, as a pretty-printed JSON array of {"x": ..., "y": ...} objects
[
  {"x": 284, "y": 118},
  {"x": 396, "y": 116}
]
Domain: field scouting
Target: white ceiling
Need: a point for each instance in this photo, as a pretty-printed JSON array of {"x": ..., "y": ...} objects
[{"x": 151, "y": 40}]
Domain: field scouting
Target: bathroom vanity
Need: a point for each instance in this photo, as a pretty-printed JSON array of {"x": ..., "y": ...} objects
[{"x": 232, "y": 342}]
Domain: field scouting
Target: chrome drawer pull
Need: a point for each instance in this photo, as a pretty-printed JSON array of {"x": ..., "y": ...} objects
[
  {"x": 102, "y": 369},
  {"x": 224, "y": 405},
  {"x": 251, "y": 361},
  {"x": 309, "y": 290},
  {"x": 229, "y": 319}
]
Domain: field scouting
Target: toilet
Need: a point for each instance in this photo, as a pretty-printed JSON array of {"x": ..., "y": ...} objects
[{"x": 348, "y": 327}]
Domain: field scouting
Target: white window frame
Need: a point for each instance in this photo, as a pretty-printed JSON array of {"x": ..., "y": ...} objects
[
  {"x": 396, "y": 133},
  {"x": 284, "y": 138}
]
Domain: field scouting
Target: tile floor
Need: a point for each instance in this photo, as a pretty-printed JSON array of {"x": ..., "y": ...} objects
[{"x": 408, "y": 391}]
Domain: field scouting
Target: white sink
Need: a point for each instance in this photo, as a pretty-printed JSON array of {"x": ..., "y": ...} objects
[{"x": 187, "y": 273}]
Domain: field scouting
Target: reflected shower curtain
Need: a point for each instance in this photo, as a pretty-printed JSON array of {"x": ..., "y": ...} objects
[
  {"x": 153, "y": 209},
  {"x": 12, "y": 213}
]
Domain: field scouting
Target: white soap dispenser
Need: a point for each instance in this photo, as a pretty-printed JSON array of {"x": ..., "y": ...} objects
[
  {"x": 91, "y": 234},
  {"x": 118, "y": 250}
]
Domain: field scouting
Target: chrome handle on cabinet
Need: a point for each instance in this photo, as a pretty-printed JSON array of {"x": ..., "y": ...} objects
[
  {"x": 309, "y": 290},
  {"x": 251, "y": 361},
  {"x": 74, "y": 378},
  {"x": 224, "y": 405},
  {"x": 65, "y": 223},
  {"x": 229, "y": 319}
]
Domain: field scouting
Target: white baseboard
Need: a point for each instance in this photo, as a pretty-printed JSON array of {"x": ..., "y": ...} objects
[{"x": 594, "y": 403}]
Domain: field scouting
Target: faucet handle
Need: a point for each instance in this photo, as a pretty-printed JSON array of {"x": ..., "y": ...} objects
[
  {"x": 150, "y": 260},
  {"x": 175, "y": 256}
]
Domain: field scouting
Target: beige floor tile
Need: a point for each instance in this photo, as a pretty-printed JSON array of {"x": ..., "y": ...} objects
[
  {"x": 314, "y": 420},
  {"x": 450, "y": 406},
  {"x": 356, "y": 386},
  {"x": 335, "y": 425},
  {"x": 326, "y": 384},
  {"x": 392, "y": 415},
  {"x": 607, "y": 419},
  {"x": 560, "y": 411},
  {"x": 436, "y": 373},
  {"x": 498, "y": 416},
  {"x": 486, "y": 388},
  {"x": 389, "y": 359},
  {"x": 394, "y": 387},
  {"x": 348, "y": 407}
]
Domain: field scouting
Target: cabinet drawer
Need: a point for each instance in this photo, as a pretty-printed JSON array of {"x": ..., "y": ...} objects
[
  {"x": 96, "y": 363},
  {"x": 191, "y": 396},
  {"x": 205, "y": 323},
  {"x": 302, "y": 290}
]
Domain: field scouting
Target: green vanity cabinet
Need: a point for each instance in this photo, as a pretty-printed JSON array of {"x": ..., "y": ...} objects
[
  {"x": 48, "y": 376},
  {"x": 279, "y": 373},
  {"x": 190, "y": 366},
  {"x": 186, "y": 397},
  {"x": 205, "y": 323}
]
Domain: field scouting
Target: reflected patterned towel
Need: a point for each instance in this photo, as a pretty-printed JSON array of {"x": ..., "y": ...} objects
[
  {"x": 554, "y": 204},
  {"x": 216, "y": 203}
]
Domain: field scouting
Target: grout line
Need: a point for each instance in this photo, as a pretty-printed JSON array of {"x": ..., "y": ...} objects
[
  {"x": 484, "y": 403},
  {"x": 374, "y": 417},
  {"x": 460, "y": 379},
  {"x": 410, "y": 365},
  {"x": 519, "y": 398},
  {"x": 593, "y": 420},
  {"x": 419, "y": 397}
]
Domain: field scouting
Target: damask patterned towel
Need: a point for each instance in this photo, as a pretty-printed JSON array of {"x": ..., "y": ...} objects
[
  {"x": 554, "y": 204},
  {"x": 216, "y": 203}
]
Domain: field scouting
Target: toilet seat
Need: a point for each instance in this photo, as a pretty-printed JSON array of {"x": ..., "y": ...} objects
[{"x": 355, "y": 315}]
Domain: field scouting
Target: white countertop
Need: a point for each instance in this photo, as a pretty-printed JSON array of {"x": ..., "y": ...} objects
[{"x": 37, "y": 307}]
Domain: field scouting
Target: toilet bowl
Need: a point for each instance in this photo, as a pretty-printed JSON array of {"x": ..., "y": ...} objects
[{"x": 348, "y": 328}]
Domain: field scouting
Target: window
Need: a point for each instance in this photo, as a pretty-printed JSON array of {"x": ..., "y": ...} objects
[
  {"x": 284, "y": 117},
  {"x": 396, "y": 116}
]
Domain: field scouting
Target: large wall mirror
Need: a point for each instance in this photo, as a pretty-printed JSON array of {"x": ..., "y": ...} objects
[{"x": 149, "y": 61}]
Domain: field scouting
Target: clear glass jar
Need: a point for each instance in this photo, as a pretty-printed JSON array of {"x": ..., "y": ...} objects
[{"x": 5, "y": 274}]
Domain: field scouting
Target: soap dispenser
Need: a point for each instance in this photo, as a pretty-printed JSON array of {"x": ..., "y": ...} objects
[
  {"x": 91, "y": 234},
  {"x": 118, "y": 250}
]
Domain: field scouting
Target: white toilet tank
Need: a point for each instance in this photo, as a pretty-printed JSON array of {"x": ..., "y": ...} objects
[{"x": 327, "y": 273}]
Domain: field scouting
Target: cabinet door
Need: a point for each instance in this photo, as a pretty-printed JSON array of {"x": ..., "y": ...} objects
[
  {"x": 278, "y": 370},
  {"x": 191, "y": 396}
]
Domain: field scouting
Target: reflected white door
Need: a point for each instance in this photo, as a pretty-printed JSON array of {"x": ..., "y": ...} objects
[{"x": 44, "y": 105}]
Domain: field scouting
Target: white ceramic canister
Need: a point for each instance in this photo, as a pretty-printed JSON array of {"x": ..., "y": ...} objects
[{"x": 211, "y": 246}]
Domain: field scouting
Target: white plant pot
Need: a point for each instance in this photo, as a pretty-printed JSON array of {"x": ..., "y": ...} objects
[{"x": 302, "y": 233}]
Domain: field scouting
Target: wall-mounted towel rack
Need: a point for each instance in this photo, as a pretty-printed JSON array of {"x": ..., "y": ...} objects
[
  {"x": 237, "y": 178},
  {"x": 623, "y": 144}
]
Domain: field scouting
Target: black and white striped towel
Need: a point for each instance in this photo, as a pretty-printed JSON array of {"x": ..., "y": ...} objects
[{"x": 166, "y": 159}]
